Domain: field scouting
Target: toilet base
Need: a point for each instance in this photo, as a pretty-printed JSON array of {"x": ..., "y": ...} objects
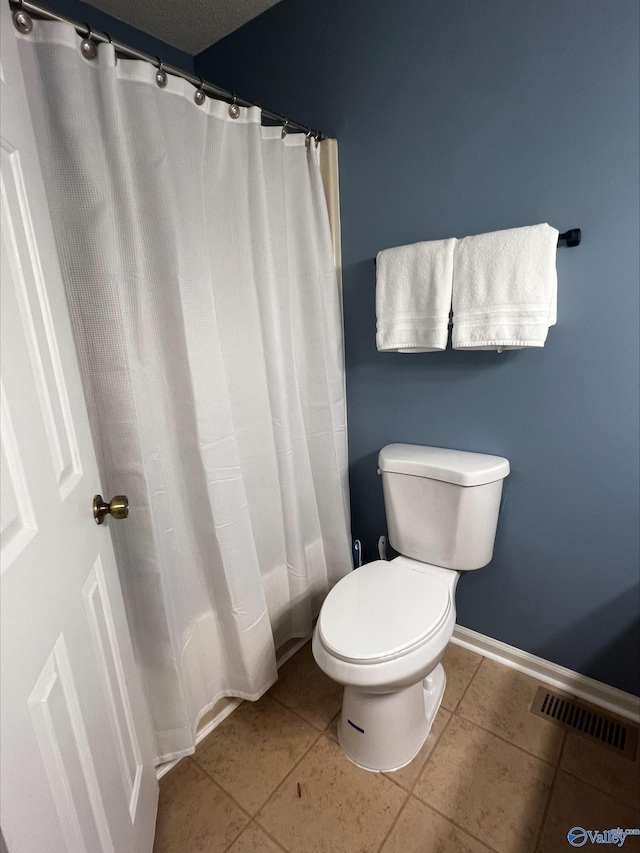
[{"x": 383, "y": 732}]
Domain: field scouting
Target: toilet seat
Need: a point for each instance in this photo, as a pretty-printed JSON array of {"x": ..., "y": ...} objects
[{"x": 382, "y": 611}]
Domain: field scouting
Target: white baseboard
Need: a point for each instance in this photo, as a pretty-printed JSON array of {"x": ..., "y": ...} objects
[
  {"x": 230, "y": 706},
  {"x": 617, "y": 701}
]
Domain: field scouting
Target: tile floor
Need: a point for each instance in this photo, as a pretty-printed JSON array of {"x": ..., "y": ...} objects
[{"x": 491, "y": 776}]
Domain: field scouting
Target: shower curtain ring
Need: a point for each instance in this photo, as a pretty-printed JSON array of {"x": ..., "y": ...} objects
[
  {"x": 307, "y": 137},
  {"x": 285, "y": 127},
  {"x": 234, "y": 109},
  {"x": 22, "y": 20},
  {"x": 161, "y": 74},
  {"x": 316, "y": 136},
  {"x": 199, "y": 96},
  {"x": 115, "y": 52},
  {"x": 88, "y": 47}
]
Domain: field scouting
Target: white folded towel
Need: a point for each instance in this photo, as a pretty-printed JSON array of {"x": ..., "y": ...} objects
[
  {"x": 505, "y": 288},
  {"x": 413, "y": 296}
]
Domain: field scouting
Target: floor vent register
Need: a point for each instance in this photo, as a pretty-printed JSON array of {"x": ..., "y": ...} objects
[{"x": 596, "y": 725}]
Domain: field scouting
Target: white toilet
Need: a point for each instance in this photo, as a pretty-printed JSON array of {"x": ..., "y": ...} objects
[{"x": 383, "y": 629}]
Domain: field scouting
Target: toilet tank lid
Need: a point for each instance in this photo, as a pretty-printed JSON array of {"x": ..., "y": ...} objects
[{"x": 460, "y": 467}]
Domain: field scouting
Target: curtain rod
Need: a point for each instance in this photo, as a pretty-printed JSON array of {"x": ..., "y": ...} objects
[{"x": 22, "y": 9}]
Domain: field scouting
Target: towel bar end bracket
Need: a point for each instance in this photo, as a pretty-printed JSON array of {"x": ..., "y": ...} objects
[{"x": 571, "y": 237}]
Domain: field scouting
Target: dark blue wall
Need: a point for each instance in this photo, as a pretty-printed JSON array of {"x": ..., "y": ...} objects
[
  {"x": 459, "y": 118},
  {"x": 97, "y": 20}
]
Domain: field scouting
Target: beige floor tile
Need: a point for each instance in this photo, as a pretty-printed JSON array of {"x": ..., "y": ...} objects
[
  {"x": 254, "y": 840},
  {"x": 194, "y": 814},
  {"x": 574, "y": 803},
  {"x": 604, "y": 769},
  {"x": 499, "y": 699},
  {"x": 342, "y": 809},
  {"x": 303, "y": 687},
  {"x": 459, "y": 665},
  {"x": 253, "y": 750},
  {"x": 406, "y": 776},
  {"x": 421, "y": 830},
  {"x": 492, "y": 789}
]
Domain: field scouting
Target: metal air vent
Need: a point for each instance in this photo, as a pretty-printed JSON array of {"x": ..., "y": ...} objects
[{"x": 595, "y": 724}]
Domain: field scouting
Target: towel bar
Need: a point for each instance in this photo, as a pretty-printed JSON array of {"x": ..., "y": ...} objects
[{"x": 570, "y": 238}]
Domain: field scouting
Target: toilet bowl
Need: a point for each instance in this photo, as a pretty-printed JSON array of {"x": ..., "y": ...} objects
[
  {"x": 382, "y": 629},
  {"x": 382, "y": 634}
]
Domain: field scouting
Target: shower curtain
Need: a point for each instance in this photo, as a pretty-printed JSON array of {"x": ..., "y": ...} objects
[{"x": 198, "y": 264}]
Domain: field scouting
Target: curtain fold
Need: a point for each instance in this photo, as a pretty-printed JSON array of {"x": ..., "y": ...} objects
[{"x": 199, "y": 271}]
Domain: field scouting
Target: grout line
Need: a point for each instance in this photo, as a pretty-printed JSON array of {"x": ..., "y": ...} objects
[
  {"x": 298, "y": 645},
  {"x": 271, "y": 837},
  {"x": 417, "y": 779},
  {"x": 284, "y": 779},
  {"x": 393, "y": 822},
  {"x": 457, "y": 825},
  {"x": 251, "y": 817},
  {"x": 553, "y": 675},
  {"x": 550, "y": 795},
  {"x": 397, "y": 784},
  {"x": 264, "y": 831},
  {"x": 435, "y": 746},
  {"x": 235, "y": 702},
  {"x": 412, "y": 793},
  {"x": 426, "y": 761},
  {"x": 461, "y": 716},
  {"x": 464, "y": 692},
  {"x": 450, "y": 819},
  {"x": 446, "y": 725},
  {"x": 546, "y": 761},
  {"x": 224, "y": 790},
  {"x": 227, "y": 794},
  {"x": 500, "y": 737},
  {"x": 236, "y": 837},
  {"x": 295, "y": 713},
  {"x": 319, "y": 735},
  {"x": 592, "y": 786}
]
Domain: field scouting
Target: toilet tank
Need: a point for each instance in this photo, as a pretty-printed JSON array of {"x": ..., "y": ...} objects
[{"x": 442, "y": 505}]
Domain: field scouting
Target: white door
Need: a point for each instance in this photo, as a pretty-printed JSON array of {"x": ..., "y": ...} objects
[{"x": 77, "y": 768}]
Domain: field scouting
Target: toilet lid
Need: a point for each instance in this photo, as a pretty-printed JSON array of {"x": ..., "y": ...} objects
[{"x": 381, "y": 611}]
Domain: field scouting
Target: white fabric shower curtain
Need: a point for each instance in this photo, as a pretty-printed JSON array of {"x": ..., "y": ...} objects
[{"x": 198, "y": 264}]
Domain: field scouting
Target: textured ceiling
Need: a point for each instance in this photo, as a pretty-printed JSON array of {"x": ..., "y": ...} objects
[{"x": 191, "y": 25}]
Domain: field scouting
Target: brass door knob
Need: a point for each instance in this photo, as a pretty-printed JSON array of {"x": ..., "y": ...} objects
[{"x": 117, "y": 507}]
